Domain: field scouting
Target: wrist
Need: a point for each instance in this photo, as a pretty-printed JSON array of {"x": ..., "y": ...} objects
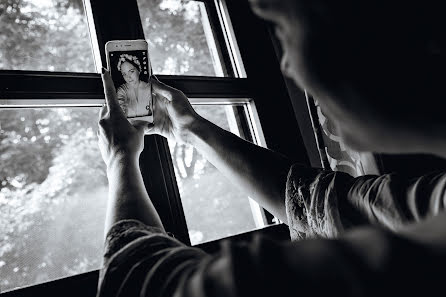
[
  {"x": 121, "y": 160},
  {"x": 195, "y": 130}
]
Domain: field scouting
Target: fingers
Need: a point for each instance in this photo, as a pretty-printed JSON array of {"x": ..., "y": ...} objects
[
  {"x": 110, "y": 92},
  {"x": 139, "y": 126},
  {"x": 101, "y": 122},
  {"x": 150, "y": 129},
  {"x": 147, "y": 127},
  {"x": 137, "y": 123},
  {"x": 103, "y": 112},
  {"x": 162, "y": 89},
  {"x": 158, "y": 103}
]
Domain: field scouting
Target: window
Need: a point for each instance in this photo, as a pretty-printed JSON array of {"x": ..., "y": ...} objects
[
  {"x": 52, "y": 181},
  {"x": 53, "y": 194},
  {"x": 213, "y": 207}
]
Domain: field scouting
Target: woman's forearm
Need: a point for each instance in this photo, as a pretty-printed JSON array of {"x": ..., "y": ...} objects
[
  {"x": 128, "y": 198},
  {"x": 260, "y": 172}
]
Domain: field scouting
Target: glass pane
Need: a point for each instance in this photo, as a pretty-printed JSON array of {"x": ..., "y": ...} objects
[
  {"x": 181, "y": 41},
  {"x": 49, "y": 35},
  {"x": 53, "y": 194},
  {"x": 214, "y": 208}
]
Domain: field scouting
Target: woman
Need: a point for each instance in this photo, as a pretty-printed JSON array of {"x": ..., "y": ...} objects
[
  {"x": 134, "y": 95},
  {"x": 367, "y": 62}
]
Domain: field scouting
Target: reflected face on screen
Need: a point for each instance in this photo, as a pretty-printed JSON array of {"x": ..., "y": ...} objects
[{"x": 130, "y": 73}]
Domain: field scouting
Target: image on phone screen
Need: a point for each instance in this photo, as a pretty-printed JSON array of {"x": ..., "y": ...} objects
[{"x": 130, "y": 72}]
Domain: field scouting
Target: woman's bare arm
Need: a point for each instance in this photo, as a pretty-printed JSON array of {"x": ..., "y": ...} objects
[
  {"x": 260, "y": 172},
  {"x": 121, "y": 145}
]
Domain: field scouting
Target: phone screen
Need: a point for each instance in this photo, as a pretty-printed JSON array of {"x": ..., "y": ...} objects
[{"x": 130, "y": 72}]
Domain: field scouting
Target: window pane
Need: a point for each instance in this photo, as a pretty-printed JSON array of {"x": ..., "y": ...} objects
[
  {"x": 49, "y": 35},
  {"x": 53, "y": 194},
  {"x": 181, "y": 41},
  {"x": 214, "y": 208}
]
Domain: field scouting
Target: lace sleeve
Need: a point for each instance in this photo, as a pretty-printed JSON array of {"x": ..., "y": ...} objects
[
  {"x": 124, "y": 232},
  {"x": 312, "y": 202},
  {"x": 140, "y": 259}
]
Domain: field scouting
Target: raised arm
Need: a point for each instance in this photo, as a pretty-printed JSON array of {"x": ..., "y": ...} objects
[
  {"x": 260, "y": 172},
  {"x": 121, "y": 144}
]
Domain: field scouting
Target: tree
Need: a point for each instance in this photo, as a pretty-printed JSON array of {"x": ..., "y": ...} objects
[
  {"x": 34, "y": 36},
  {"x": 177, "y": 41}
]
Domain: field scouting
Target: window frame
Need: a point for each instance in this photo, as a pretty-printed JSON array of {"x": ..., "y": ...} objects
[{"x": 242, "y": 46}]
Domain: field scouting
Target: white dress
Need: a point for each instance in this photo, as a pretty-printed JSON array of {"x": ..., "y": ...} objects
[{"x": 133, "y": 102}]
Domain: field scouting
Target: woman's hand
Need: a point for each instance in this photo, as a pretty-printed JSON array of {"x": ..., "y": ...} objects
[
  {"x": 119, "y": 141},
  {"x": 173, "y": 115}
]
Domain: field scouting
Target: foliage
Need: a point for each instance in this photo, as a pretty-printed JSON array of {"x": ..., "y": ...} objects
[
  {"x": 53, "y": 185},
  {"x": 52, "y": 178},
  {"x": 177, "y": 41},
  {"x": 34, "y": 36}
]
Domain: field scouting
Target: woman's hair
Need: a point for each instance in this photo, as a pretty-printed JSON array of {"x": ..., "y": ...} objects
[
  {"x": 130, "y": 59},
  {"x": 392, "y": 53}
]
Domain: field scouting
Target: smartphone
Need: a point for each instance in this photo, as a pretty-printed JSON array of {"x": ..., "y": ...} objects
[{"x": 129, "y": 64}]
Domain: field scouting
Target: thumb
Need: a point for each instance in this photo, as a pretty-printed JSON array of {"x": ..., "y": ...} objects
[
  {"x": 110, "y": 93},
  {"x": 162, "y": 89}
]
